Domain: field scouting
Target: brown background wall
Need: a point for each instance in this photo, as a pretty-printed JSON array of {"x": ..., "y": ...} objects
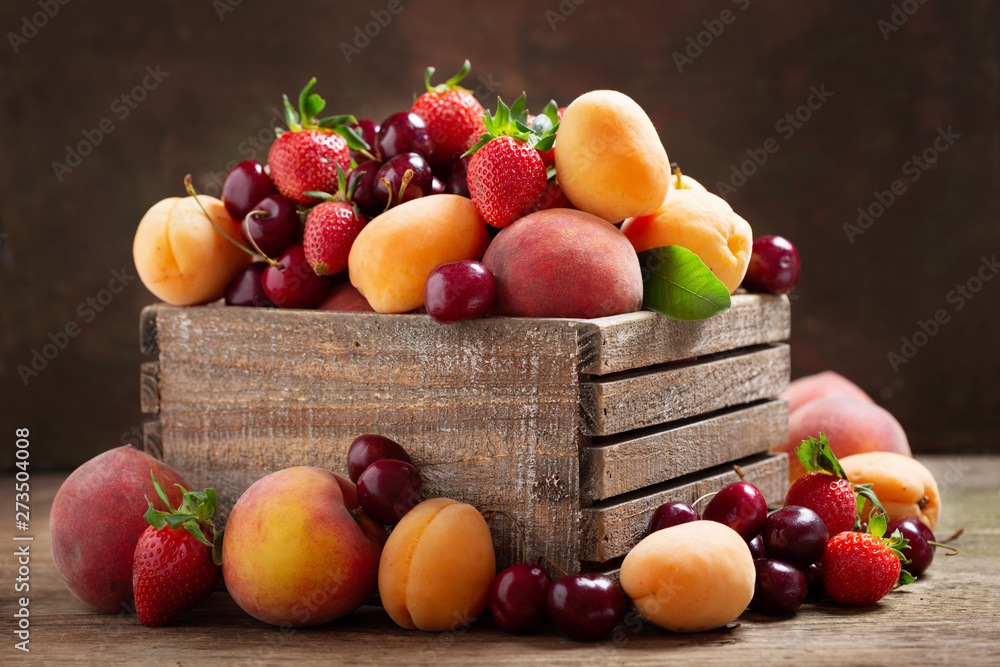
[{"x": 224, "y": 65}]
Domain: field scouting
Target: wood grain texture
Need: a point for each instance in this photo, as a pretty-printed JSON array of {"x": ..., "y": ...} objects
[
  {"x": 635, "y": 340},
  {"x": 149, "y": 387},
  {"x": 947, "y": 616},
  {"x": 637, "y": 399},
  {"x": 148, "y": 343},
  {"x": 620, "y": 464},
  {"x": 611, "y": 528},
  {"x": 152, "y": 441}
]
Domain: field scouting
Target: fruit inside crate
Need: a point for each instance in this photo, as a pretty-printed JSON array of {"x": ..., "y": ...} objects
[{"x": 578, "y": 428}]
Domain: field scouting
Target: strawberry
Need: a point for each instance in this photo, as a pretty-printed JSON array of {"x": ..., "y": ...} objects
[
  {"x": 453, "y": 116},
  {"x": 175, "y": 566},
  {"x": 861, "y": 568},
  {"x": 306, "y": 157},
  {"x": 506, "y": 174},
  {"x": 331, "y": 228},
  {"x": 826, "y": 489}
]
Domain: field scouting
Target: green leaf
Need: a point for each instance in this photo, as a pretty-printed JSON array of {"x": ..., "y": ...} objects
[
  {"x": 193, "y": 528},
  {"x": 817, "y": 456},
  {"x": 304, "y": 101},
  {"x": 677, "y": 284},
  {"x": 905, "y": 578},
  {"x": 867, "y": 492},
  {"x": 160, "y": 492},
  {"x": 291, "y": 115},
  {"x": 217, "y": 546},
  {"x": 354, "y": 140},
  {"x": 877, "y": 525},
  {"x": 176, "y": 520}
]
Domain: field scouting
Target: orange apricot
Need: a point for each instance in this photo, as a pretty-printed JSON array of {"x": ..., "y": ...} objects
[{"x": 904, "y": 486}]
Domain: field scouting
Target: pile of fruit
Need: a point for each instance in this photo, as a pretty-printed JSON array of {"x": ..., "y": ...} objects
[{"x": 457, "y": 211}]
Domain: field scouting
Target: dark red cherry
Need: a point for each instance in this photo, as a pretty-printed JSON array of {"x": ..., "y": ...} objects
[
  {"x": 774, "y": 266},
  {"x": 388, "y": 489},
  {"x": 814, "y": 579},
  {"x": 779, "y": 588},
  {"x": 757, "y": 547},
  {"x": 294, "y": 285},
  {"x": 741, "y": 506},
  {"x": 919, "y": 552},
  {"x": 364, "y": 192},
  {"x": 459, "y": 291},
  {"x": 403, "y": 132},
  {"x": 272, "y": 225},
  {"x": 246, "y": 288},
  {"x": 392, "y": 179},
  {"x": 245, "y": 185},
  {"x": 796, "y": 535},
  {"x": 369, "y": 448},
  {"x": 368, "y": 129},
  {"x": 586, "y": 607},
  {"x": 671, "y": 514},
  {"x": 518, "y": 596}
]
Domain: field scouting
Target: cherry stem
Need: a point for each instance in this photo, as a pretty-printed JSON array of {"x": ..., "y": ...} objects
[
  {"x": 246, "y": 229},
  {"x": 407, "y": 177},
  {"x": 707, "y": 495},
  {"x": 953, "y": 537},
  {"x": 490, "y": 513},
  {"x": 189, "y": 186},
  {"x": 552, "y": 563},
  {"x": 952, "y": 551},
  {"x": 740, "y": 473}
]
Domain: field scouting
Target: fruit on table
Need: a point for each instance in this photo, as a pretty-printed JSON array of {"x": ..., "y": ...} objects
[
  {"x": 388, "y": 489},
  {"x": 701, "y": 222},
  {"x": 292, "y": 283},
  {"x": 795, "y": 535},
  {"x": 852, "y": 427},
  {"x": 906, "y": 488},
  {"x": 403, "y": 132},
  {"x": 298, "y": 550},
  {"x": 345, "y": 297},
  {"x": 180, "y": 257},
  {"x": 671, "y": 514},
  {"x": 609, "y": 160},
  {"x": 821, "y": 385},
  {"x": 774, "y": 266},
  {"x": 459, "y": 291},
  {"x": 454, "y": 117},
  {"x": 829, "y": 496},
  {"x": 585, "y": 607},
  {"x": 564, "y": 263},
  {"x": 779, "y": 589},
  {"x": 362, "y": 184},
  {"x": 245, "y": 185},
  {"x": 369, "y": 448},
  {"x": 97, "y": 518},
  {"x": 401, "y": 178},
  {"x": 691, "y": 577},
  {"x": 921, "y": 544},
  {"x": 396, "y": 251},
  {"x": 740, "y": 506},
  {"x": 757, "y": 547},
  {"x": 437, "y": 567},
  {"x": 518, "y": 597},
  {"x": 861, "y": 568},
  {"x": 814, "y": 578},
  {"x": 246, "y": 288},
  {"x": 271, "y": 225},
  {"x": 173, "y": 568},
  {"x": 331, "y": 228}
]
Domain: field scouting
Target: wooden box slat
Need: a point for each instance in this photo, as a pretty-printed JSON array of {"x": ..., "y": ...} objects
[
  {"x": 637, "y": 399},
  {"x": 610, "y": 529},
  {"x": 621, "y": 464},
  {"x": 149, "y": 387}
]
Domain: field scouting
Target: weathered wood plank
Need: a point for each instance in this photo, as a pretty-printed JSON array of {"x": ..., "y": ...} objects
[
  {"x": 610, "y": 528},
  {"x": 152, "y": 441},
  {"x": 635, "y": 340},
  {"x": 147, "y": 329},
  {"x": 636, "y": 461},
  {"x": 663, "y": 394},
  {"x": 149, "y": 387}
]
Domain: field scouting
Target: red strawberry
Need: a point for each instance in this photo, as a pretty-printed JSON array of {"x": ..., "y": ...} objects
[
  {"x": 306, "y": 157},
  {"x": 330, "y": 231},
  {"x": 453, "y": 116},
  {"x": 506, "y": 174},
  {"x": 174, "y": 568},
  {"x": 861, "y": 568}
]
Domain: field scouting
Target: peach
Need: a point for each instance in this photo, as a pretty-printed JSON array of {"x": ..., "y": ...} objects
[
  {"x": 97, "y": 518},
  {"x": 851, "y": 426},
  {"x": 704, "y": 224},
  {"x": 904, "y": 486},
  {"x": 610, "y": 161},
  {"x": 690, "y": 577},
  {"x": 564, "y": 263},
  {"x": 180, "y": 257},
  {"x": 298, "y": 550},
  {"x": 395, "y": 252},
  {"x": 345, "y": 297},
  {"x": 821, "y": 385},
  {"x": 437, "y": 567}
]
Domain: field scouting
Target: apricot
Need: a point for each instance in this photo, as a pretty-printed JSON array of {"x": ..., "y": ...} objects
[
  {"x": 821, "y": 385},
  {"x": 852, "y": 427},
  {"x": 395, "y": 252},
  {"x": 610, "y": 161},
  {"x": 690, "y": 577},
  {"x": 564, "y": 263},
  {"x": 904, "y": 486},
  {"x": 180, "y": 257},
  {"x": 437, "y": 567}
]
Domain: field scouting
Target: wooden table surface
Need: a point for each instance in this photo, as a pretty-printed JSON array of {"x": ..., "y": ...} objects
[{"x": 949, "y": 616}]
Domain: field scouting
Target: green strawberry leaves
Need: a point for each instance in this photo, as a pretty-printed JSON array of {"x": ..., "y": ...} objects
[
  {"x": 310, "y": 106},
  {"x": 195, "y": 511},
  {"x": 450, "y": 84},
  {"x": 677, "y": 284},
  {"x": 512, "y": 121},
  {"x": 877, "y": 526}
]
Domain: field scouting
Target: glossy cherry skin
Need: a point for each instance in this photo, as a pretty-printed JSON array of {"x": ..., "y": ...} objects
[
  {"x": 585, "y": 607},
  {"x": 774, "y": 266},
  {"x": 741, "y": 506},
  {"x": 246, "y": 288},
  {"x": 458, "y": 181},
  {"x": 403, "y": 132},
  {"x": 295, "y": 285},
  {"x": 245, "y": 185},
  {"x": 459, "y": 291},
  {"x": 796, "y": 535},
  {"x": 517, "y": 597},
  {"x": 388, "y": 489},
  {"x": 814, "y": 580},
  {"x": 671, "y": 514},
  {"x": 276, "y": 228},
  {"x": 918, "y": 551},
  {"x": 363, "y": 193},
  {"x": 780, "y": 588},
  {"x": 369, "y": 448},
  {"x": 757, "y": 547},
  {"x": 437, "y": 186},
  {"x": 391, "y": 176}
]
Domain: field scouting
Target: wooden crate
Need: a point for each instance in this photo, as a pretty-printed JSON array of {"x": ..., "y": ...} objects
[{"x": 579, "y": 428}]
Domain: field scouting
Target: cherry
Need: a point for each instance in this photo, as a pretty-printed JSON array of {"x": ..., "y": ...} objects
[
  {"x": 774, "y": 266},
  {"x": 741, "y": 506},
  {"x": 388, "y": 489},
  {"x": 364, "y": 192},
  {"x": 814, "y": 579},
  {"x": 757, "y": 548},
  {"x": 458, "y": 182},
  {"x": 517, "y": 597},
  {"x": 369, "y": 448},
  {"x": 585, "y": 606},
  {"x": 272, "y": 225},
  {"x": 779, "y": 589},
  {"x": 919, "y": 551},
  {"x": 796, "y": 535},
  {"x": 392, "y": 179},
  {"x": 245, "y": 185},
  {"x": 292, "y": 283},
  {"x": 671, "y": 514},
  {"x": 437, "y": 186},
  {"x": 403, "y": 132},
  {"x": 246, "y": 288},
  {"x": 368, "y": 129},
  {"x": 459, "y": 291}
]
